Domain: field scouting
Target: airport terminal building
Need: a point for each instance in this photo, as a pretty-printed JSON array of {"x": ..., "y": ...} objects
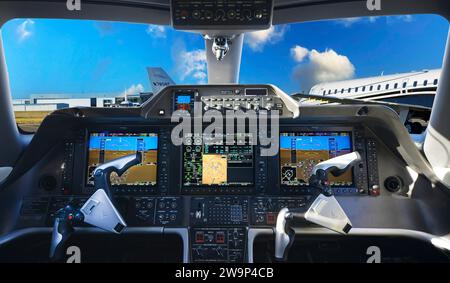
[{"x": 52, "y": 102}]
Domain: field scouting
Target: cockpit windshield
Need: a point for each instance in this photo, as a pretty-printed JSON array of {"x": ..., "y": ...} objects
[{"x": 55, "y": 64}]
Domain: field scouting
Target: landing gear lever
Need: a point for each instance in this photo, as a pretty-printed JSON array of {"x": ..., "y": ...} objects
[
  {"x": 324, "y": 210},
  {"x": 98, "y": 210}
]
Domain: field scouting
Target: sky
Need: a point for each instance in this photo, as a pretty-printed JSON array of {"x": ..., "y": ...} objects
[{"x": 83, "y": 57}]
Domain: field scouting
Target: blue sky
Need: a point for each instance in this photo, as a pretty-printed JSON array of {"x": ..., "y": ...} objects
[{"x": 83, "y": 57}]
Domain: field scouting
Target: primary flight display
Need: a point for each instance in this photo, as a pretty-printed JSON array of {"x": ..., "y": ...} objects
[
  {"x": 104, "y": 147},
  {"x": 300, "y": 152}
]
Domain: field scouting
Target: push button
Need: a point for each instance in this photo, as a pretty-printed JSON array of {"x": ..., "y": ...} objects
[
  {"x": 271, "y": 219},
  {"x": 199, "y": 237},
  {"x": 220, "y": 238}
]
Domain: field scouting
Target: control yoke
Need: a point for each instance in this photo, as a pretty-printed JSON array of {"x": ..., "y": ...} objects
[
  {"x": 103, "y": 172},
  {"x": 324, "y": 210},
  {"x": 98, "y": 210}
]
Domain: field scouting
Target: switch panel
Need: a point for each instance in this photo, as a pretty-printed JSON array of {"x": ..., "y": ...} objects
[{"x": 218, "y": 244}]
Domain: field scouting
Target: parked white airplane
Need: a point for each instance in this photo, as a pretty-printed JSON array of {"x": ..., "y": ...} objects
[{"x": 415, "y": 88}]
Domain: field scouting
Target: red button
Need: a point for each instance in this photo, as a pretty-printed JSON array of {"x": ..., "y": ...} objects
[
  {"x": 270, "y": 218},
  {"x": 220, "y": 238},
  {"x": 199, "y": 237}
]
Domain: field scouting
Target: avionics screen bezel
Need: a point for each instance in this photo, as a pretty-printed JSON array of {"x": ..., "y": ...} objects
[
  {"x": 184, "y": 92},
  {"x": 217, "y": 189},
  {"x": 148, "y": 188},
  {"x": 295, "y": 131}
]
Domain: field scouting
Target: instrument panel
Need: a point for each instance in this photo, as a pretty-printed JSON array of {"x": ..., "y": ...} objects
[
  {"x": 216, "y": 185},
  {"x": 223, "y": 164},
  {"x": 190, "y": 101},
  {"x": 218, "y": 163}
]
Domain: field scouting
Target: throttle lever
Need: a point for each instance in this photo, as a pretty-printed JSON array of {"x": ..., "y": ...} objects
[{"x": 62, "y": 230}]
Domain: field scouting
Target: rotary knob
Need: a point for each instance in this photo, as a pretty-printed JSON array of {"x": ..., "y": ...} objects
[
  {"x": 196, "y": 14},
  {"x": 247, "y": 15},
  {"x": 220, "y": 15},
  {"x": 258, "y": 14},
  {"x": 208, "y": 15},
  {"x": 184, "y": 15},
  {"x": 231, "y": 14}
]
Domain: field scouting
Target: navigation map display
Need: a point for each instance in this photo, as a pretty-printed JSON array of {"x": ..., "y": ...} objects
[
  {"x": 300, "y": 152},
  {"x": 104, "y": 147},
  {"x": 208, "y": 162}
]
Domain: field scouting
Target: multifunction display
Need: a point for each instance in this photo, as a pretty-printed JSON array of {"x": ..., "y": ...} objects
[
  {"x": 301, "y": 151},
  {"x": 223, "y": 161},
  {"x": 104, "y": 147}
]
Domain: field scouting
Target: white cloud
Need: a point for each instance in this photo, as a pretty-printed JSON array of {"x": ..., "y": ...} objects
[
  {"x": 156, "y": 31},
  {"x": 406, "y": 18},
  {"x": 299, "y": 53},
  {"x": 392, "y": 20},
  {"x": 192, "y": 63},
  {"x": 134, "y": 89},
  {"x": 258, "y": 39},
  {"x": 348, "y": 22},
  {"x": 24, "y": 29},
  {"x": 372, "y": 19},
  {"x": 200, "y": 75},
  {"x": 321, "y": 67}
]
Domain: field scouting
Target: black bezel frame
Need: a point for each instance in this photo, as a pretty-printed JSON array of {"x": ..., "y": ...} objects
[
  {"x": 286, "y": 189},
  {"x": 118, "y": 129},
  {"x": 216, "y": 189}
]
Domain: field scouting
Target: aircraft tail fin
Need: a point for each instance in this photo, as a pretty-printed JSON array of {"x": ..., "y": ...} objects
[{"x": 158, "y": 79}]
